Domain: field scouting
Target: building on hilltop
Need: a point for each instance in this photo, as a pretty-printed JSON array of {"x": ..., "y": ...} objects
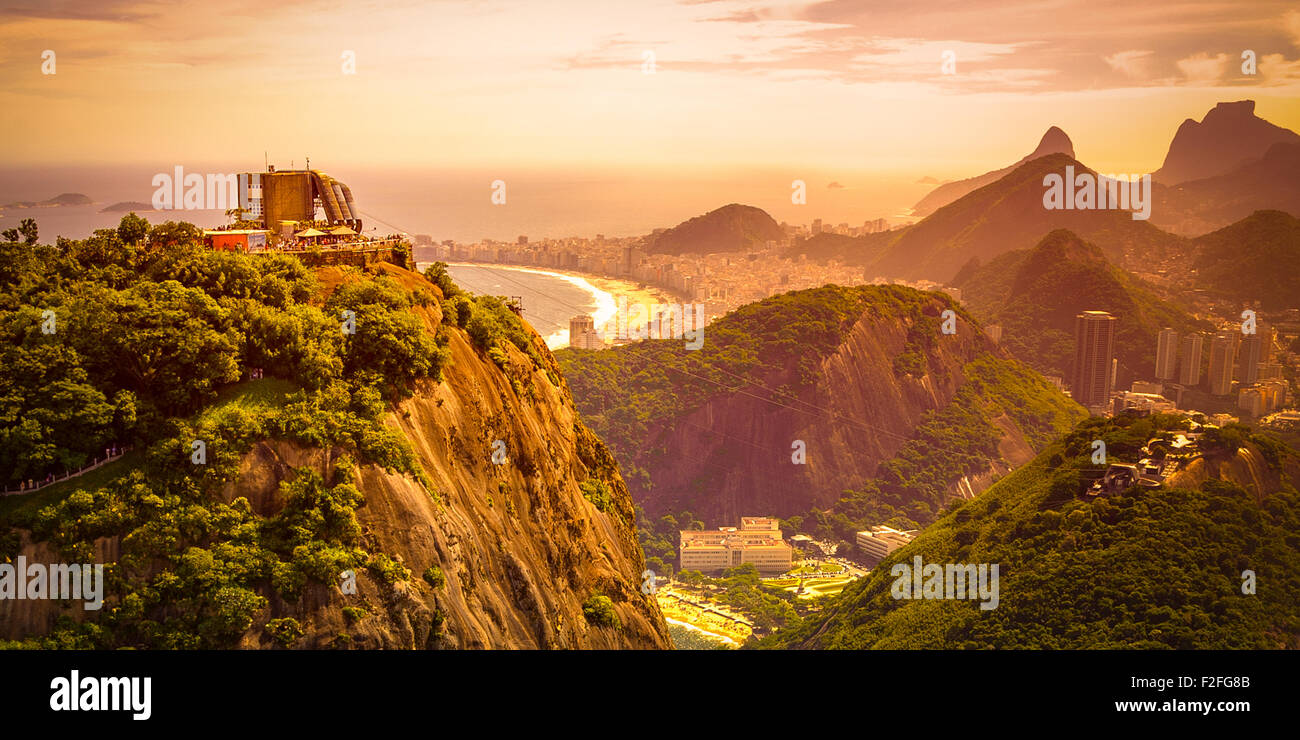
[
  {"x": 758, "y": 540},
  {"x": 273, "y": 197}
]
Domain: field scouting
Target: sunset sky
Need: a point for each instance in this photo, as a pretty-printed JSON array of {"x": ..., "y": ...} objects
[{"x": 531, "y": 83}]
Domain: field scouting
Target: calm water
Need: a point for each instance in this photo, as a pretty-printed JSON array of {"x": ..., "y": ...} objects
[{"x": 457, "y": 204}]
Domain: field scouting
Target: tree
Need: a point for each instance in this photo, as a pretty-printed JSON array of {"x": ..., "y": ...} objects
[
  {"x": 132, "y": 229},
  {"x": 10, "y": 235},
  {"x": 27, "y": 227},
  {"x": 170, "y": 233}
]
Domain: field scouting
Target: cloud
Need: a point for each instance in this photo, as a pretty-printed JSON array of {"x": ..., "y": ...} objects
[
  {"x": 834, "y": 186},
  {"x": 1202, "y": 68},
  {"x": 1291, "y": 22},
  {"x": 1135, "y": 63}
]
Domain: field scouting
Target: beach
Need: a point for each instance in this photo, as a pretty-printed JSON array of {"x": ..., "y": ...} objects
[{"x": 599, "y": 296}]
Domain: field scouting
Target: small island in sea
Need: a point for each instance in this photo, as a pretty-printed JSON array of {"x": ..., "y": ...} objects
[
  {"x": 63, "y": 199},
  {"x": 127, "y": 205}
]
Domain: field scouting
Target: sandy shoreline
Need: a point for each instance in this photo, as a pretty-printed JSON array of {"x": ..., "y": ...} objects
[{"x": 605, "y": 292}]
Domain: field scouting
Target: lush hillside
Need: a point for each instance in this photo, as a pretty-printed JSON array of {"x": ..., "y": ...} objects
[
  {"x": 1008, "y": 214},
  {"x": 1036, "y": 294},
  {"x": 1147, "y": 568},
  {"x": 1256, "y": 259},
  {"x": 731, "y": 228},
  {"x": 327, "y": 458},
  {"x": 894, "y": 416}
]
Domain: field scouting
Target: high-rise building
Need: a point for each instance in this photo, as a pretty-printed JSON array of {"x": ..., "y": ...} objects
[
  {"x": 582, "y": 333},
  {"x": 1255, "y": 349},
  {"x": 1166, "y": 353},
  {"x": 1221, "y": 351},
  {"x": 1190, "y": 371},
  {"x": 1094, "y": 350}
]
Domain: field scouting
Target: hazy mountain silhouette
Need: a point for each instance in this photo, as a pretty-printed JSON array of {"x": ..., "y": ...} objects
[
  {"x": 1009, "y": 214},
  {"x": 1271, "y": 182},
  {"x": 1229, "y": 136},
  {"x": 1054, "y": 141}
]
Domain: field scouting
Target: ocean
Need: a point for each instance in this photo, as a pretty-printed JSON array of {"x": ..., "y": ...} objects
[
  {"x": 456, "y": 204},
  {"x": 549, "y": 298}
]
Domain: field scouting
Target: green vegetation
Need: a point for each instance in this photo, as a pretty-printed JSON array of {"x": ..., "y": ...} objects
[
  {"x": 685, "y": 638},
  {"x": 1255, "y": 259},
  {"x": 151, "y": 335},
  {"x": 433, "y": 576},
  {"x": 779, "y": 343},
  {"x": 1146, "y": 568},
  {"x": 599, "y": 610},
  {"x": 1035, "y": 295}
]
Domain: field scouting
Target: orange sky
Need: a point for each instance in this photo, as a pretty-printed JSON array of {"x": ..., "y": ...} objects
[{"x": 854, "y": 86}]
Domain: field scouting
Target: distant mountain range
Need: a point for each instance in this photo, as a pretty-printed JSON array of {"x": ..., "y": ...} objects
[
  {"x": 1054, "y": 141},
  {"x": 1008, "y": 214},
  {"x": 1229, "y": 136}
]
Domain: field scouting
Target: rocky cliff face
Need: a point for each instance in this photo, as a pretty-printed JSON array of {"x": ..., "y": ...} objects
[
  {"x": 519, "y": 546},
  {"x": 733, "y": 455}
]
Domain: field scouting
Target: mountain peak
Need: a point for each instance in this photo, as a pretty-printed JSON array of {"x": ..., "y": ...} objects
[
  {"x": 1229, "y": 136},
  {"x": 1054, "y": 141}
]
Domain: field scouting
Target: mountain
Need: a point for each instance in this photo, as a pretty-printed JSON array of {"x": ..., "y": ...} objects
[
  {"x": 63, "y": 199},
  {"x": 1035, "y": 295},
  {"x": 1271, "y": 182},
  {"x": 731, "y": 228},
  {"x": 1255, "y": 259},
  {"x": 893, "y": 415},
  {"x": 1146, "y": 568},
  {"x": 1054, "y": 141},
  {"x": 1229, "y": 136},
  {"x": 1009, "y": 214},
  {"x": 421, "y": 482}
]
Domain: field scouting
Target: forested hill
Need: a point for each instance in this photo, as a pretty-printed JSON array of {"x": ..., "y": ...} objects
[
  {"x": 330, "y": 458},
  {"x": 1144, "y": 568},
  {"x": 895, "y": 416}
]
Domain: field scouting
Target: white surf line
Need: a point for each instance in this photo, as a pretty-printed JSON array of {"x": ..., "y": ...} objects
[
  {"x": 606, "y": 307},
  {"x": 702, "y": 631}
]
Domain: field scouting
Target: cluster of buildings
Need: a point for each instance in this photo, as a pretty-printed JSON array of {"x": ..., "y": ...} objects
[
  {"x": 720, "y": 281},
  {"x": 757, "y": 540},
  {"x": 1240, "y": 364}
]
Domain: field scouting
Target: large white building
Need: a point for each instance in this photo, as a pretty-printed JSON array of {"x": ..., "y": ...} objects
[
  {"x": 758, "y": 540},
  {"x": 880, "y": 541}
]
